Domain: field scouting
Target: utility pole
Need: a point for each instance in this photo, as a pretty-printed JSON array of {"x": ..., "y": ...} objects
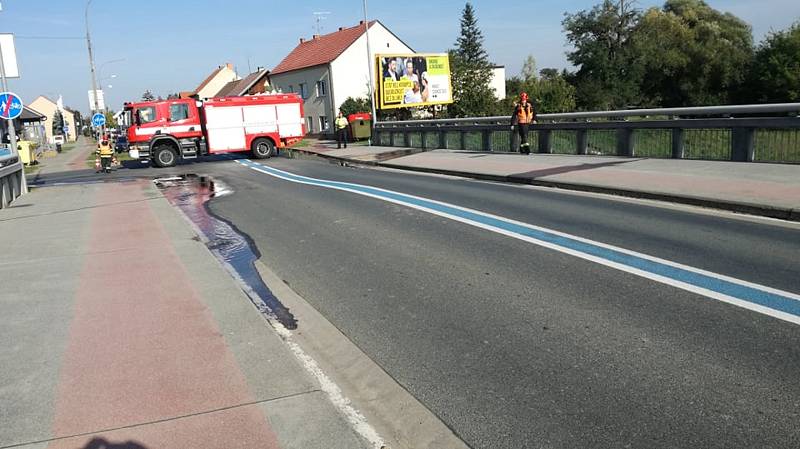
[
  {"x": 370, "y": 66},
  {"x": 91, "y": 60}
]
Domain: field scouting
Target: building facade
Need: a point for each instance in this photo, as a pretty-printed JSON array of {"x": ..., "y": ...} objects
[
  {"x": 48, "y": 108},
  {"x": 326, "y": 70}
]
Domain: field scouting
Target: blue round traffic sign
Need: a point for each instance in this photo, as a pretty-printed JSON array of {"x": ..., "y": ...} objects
[
  {"x": 10, "y": 106},
  {"x": 98, "y": 119}
]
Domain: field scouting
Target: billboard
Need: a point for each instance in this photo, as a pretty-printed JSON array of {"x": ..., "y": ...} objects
[
  {"x": 9, "y": 55},
  {"x": 410, "y": 80}
]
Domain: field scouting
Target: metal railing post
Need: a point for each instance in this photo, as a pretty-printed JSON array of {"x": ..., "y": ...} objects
[
  {"x": 625, "y": 142},
  {"x": 544, "y": 141},
  {"x": 742, "y": 144},
  {"x": 463, "y": 138},
  {"x": 442, "y": 139},
  {"x": 487, "y": 140},
  {"x": 582, "y": 140},
  {"x": 677, "y": 143},
  {"x": 407, "y": 138}
]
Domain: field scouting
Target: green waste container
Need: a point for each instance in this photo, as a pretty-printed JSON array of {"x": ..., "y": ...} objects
[{"x": 360, "y": 125}]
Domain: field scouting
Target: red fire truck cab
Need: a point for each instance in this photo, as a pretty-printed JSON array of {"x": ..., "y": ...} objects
[{"x": 167, "y": 131}]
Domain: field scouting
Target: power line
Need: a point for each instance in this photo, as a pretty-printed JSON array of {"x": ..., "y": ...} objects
[{"x": 49, "y": 37}]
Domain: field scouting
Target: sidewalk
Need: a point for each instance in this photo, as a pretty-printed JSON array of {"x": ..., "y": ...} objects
[
  {"x": 771, "y": 190},
  {"x": 75, "y": 159},
  {"x": 121, "y": 330}
]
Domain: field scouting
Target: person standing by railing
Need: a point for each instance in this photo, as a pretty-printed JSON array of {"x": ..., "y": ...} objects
[
  {"x": 523, "y": 116},
  {"x": 341, "y": 130}
]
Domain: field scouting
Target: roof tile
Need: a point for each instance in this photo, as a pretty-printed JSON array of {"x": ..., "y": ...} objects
[{"x": 320, "y": 50}]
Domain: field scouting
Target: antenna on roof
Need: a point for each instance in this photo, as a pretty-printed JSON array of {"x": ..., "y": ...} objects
[{"x": 318, "y": 17}]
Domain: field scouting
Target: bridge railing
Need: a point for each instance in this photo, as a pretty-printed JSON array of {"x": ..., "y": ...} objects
[
  {"x": 746, "y": 133},
  {"x": 12, "y": 179}
]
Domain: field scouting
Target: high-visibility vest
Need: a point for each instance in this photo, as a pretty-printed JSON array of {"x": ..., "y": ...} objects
[
  {"x": 524, "y": 113},
  {"x": 341, "y": 123},
  {"x": 105, "y": 150}
]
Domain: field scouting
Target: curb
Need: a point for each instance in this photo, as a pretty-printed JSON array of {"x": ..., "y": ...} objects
[{"x": 731, "y": 206}]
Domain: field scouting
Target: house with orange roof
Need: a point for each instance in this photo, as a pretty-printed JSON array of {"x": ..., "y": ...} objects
[
  {"x": 213, "y": 83},
  {"x": 327, "y": 69}
]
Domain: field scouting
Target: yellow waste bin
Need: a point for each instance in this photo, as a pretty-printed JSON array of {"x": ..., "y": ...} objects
[{"x": 27, "y": 151}]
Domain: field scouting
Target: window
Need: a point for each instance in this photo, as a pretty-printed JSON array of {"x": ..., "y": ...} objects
[
  {"x": 146, "y": 115},
  {"x": 323, "y": 123},
  {"x": 178, "y": 112},
  {"x": 303, "y": 91},
  {"x": 321, "y": 88},
  {"x": 309, "y": 124}
]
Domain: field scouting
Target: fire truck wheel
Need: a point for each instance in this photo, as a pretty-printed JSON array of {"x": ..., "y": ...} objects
[
  {"x": 164, "y": 156},
  {"x": 263, "y": 148}
]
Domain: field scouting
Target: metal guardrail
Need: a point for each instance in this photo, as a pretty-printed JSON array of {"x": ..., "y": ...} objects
[
  {"x": 763, "y": 133},
  {"x": 12, "y": 179}
]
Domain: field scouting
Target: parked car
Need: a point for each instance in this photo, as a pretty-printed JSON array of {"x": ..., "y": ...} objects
[{"x": 121, "y": 145}]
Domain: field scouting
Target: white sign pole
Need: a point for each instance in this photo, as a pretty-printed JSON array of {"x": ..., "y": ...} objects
[{"x": 12, "y": 133}]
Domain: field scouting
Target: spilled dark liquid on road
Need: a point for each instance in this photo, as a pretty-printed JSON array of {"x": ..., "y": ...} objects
[{"x": 191, "y": 194}]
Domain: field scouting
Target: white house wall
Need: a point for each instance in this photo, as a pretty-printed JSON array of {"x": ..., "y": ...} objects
[
  {"x": 48, "y": 108},
  {"x": 498, "y": 82},
  {"x": 313, "y": 106},
  {"x": 350, "y": 70}
]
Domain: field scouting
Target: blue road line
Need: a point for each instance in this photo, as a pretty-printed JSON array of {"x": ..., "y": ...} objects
[{"x": 750, "y": 294}]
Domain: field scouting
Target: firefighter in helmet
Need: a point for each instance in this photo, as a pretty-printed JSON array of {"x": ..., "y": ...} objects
[
  {"x": 524, "y": 116},
  {"x": 105, "y": 153}
]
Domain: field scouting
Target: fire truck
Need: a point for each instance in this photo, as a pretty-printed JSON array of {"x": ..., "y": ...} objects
[{"x": 168, "y": 131}]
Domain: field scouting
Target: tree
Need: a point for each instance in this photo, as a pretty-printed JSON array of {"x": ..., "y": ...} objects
[
  {"x": 609, "y": 72},
  {"x": 529, "y": 68},
  {"x": 470, "y": 71},
  {"x": 58, "y": 124},
  {"x": 148, "y": 96},
  {"x": 692, "y": 54},
  {"x": 111, "y": 122},
  {"x": 549, "y": 92},
  {"x": 355, "y": 105},
  {"x": 775, "y": 74}
]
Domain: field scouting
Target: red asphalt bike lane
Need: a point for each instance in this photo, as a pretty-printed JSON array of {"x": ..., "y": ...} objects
[{"x": 145, "y": 355}]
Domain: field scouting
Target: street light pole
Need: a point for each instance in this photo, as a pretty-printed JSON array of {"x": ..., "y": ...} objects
[{"x": 371, "y": 76}]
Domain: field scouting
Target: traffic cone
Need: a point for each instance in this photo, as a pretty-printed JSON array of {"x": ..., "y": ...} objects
[{"x": 97, "y": 163}]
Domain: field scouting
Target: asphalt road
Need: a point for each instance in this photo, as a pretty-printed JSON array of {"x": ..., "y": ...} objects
[{"x": 515, "y": 345}]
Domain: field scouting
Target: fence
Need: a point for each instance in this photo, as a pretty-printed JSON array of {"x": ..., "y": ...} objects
[{"x": 746, "y": 133}]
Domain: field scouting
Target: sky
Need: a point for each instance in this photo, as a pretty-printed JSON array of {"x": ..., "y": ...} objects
[{"x": 172, "y": 45}]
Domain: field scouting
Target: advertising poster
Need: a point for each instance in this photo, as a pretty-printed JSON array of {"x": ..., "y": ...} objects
[{"x": 412, "y": 80}]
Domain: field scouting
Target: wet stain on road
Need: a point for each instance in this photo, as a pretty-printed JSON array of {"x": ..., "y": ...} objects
[{"x": 191, "y": 194}]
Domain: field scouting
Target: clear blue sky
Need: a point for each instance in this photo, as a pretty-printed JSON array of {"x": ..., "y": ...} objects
[{"x": 171, "y": 45}]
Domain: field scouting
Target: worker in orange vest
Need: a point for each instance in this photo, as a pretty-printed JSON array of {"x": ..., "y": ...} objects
[{"x": 524, "y": 116}]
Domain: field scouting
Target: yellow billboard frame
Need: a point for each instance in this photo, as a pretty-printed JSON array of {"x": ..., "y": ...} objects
[{"x": 379, "y": 76}]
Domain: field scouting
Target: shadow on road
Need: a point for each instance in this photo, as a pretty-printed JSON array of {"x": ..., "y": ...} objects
[
  {"x": 534, "y": 174},
  {"x": 101, "y": 443}
]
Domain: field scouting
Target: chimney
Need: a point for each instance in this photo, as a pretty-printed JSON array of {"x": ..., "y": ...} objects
[
  {"x": 229, "y": 65},
  {"x": 361, "y": 22},
  {"x": 302, "y": 40},
  {"x": 259, "y": 68},
  {"x": 316, "y": 36},
  {"x": 341, "y": 28}
]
